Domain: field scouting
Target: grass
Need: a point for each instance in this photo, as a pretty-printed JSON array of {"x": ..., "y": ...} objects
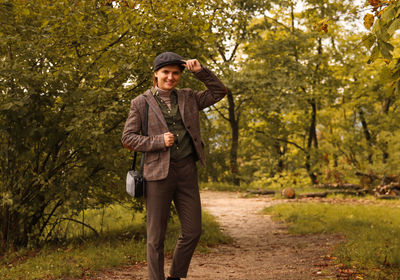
[
  {"x": 121, "y": 241},
  {"x": 223, "y": 187},
  {"x": 301, "y": 187},
  {"x": 277, "y": 187},
  {"x": 372, "y": 233}
]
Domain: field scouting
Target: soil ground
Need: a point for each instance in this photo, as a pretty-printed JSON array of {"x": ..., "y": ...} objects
[{"x": 261, "y": 248}]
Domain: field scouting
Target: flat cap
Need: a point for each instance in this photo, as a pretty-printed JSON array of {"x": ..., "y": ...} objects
[{"x": 168, "y": 58}]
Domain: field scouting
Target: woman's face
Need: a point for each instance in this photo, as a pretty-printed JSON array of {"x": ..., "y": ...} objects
[{"x": 168, "y": 77}]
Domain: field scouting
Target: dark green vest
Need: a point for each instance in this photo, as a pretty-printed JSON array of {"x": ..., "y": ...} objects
[{"x": 183, "y": 146}]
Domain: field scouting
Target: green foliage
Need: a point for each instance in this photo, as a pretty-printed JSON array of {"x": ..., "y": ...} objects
[
  {"x": 370, "y": 232},
  {"x": 297, "y": 180},
  {"x": 308, "y": 102},
  {"x": 73, "y": 261},
  {"x": 303, "y": 103},
  {"x": 386, "y": 24},
  {"x": 68, "y": 71},
  {"x": 292, "y": 80},
  {"x": 121, "y": 240},
  {"x": 381, "y": 40},
  {"x": 111, "y": 220}
]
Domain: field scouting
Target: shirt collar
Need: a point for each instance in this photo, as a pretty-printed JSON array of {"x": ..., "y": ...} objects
[{"x": 155, "y": 92}]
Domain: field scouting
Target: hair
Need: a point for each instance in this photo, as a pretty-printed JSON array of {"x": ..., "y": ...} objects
[{"x": 154, "y": 79}]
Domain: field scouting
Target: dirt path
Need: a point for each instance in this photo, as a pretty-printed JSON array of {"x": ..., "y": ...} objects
[{"x": 262, "y": 248}]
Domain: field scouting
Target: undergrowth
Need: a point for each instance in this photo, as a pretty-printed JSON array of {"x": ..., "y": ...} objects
[{"x": 121, "y": 240}]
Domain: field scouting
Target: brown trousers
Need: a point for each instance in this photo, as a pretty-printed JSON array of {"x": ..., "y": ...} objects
[{"x": 181, "y": 187}]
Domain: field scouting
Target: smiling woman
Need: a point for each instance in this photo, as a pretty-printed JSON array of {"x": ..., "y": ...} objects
[
  {"x": 168, "y": 77},
  {"x": 172, "y": 147}
]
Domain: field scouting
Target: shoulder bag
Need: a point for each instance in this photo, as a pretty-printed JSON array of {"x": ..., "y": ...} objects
[{"x": 135, "y": 183}]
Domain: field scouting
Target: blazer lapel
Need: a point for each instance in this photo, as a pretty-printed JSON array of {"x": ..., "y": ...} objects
[
  {"x": 181, "y": 104},
  {"x": 154, "y": 106}
]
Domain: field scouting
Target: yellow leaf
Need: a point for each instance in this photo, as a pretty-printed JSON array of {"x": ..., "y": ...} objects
[
  {"x": 381, "y": 12},
  {"x": 375, "y": 3},
  {"x": 368, "y": 21},
  {"x": 322, "y": 25}
]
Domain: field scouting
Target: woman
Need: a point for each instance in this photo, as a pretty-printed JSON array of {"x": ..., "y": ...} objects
[{"x": 172, "y": 147}]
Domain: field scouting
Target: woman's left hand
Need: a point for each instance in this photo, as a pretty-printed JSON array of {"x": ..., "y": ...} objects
[{"x": 193, "y": 65}]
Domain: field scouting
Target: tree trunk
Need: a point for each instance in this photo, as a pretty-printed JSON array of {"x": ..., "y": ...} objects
[
  {"x": 234, "y": 123},
  {"x": 312, "y": 133},
  {"x": 367, "y": 134},
  {"x": 281, "y": 152},
  {"x": 4, "y": 228},
  {"x": 386, "y": 107},
  {"x": 312, "y": 138}
]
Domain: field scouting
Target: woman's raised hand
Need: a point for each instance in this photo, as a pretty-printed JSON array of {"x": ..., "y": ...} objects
[{"x": 193, "y": 65}]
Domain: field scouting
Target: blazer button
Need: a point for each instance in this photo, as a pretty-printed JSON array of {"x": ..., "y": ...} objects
[
  {"x": 188, "y": 127},
  {"x": 195, "y": 139}
]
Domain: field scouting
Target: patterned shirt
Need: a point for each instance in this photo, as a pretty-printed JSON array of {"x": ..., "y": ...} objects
[{"x": 183, "y": 145}]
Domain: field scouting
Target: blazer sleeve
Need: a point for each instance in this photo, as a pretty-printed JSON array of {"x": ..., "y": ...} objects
[
  {"x": 215, "y": 91},
  {"x": 131, "y": 137}
]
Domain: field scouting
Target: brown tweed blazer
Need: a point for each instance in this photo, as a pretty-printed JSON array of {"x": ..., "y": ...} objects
[{"x": 190, "y": 102}]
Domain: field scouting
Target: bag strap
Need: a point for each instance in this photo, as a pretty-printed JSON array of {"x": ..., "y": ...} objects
[{"x": 144, "y": 132}]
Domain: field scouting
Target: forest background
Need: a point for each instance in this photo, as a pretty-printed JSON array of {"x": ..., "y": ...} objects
[{"x": 313, "y": 97}]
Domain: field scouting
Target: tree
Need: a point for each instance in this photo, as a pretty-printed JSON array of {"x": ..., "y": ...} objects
[
  {"x": 292, "y": 67},
  {"x": 68, "y": 71},
  {"x": 363, "y": 122},
  {"x": 235, "y": 33}
]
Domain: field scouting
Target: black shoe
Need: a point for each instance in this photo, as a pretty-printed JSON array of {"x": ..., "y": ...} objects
[{"x": 173, "y": 278}]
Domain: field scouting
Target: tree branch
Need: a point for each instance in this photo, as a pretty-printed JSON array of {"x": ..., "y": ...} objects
[
  {"x": 241, "y": 102},
  {"x": 102, "y": 51},
  {"x": 82, "y": 223},
  {"x": 234, "y": 51},
  {"x": 220, "y": 113},
  {"x": 222, "y": 54},
  {"x": 138, "y": 85},
  {"x": 114, "y": 126},
  {"x": 278, "y": 22},
  {"x": 58, "y": 204},
  {"x": 282, "y": 140}
]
